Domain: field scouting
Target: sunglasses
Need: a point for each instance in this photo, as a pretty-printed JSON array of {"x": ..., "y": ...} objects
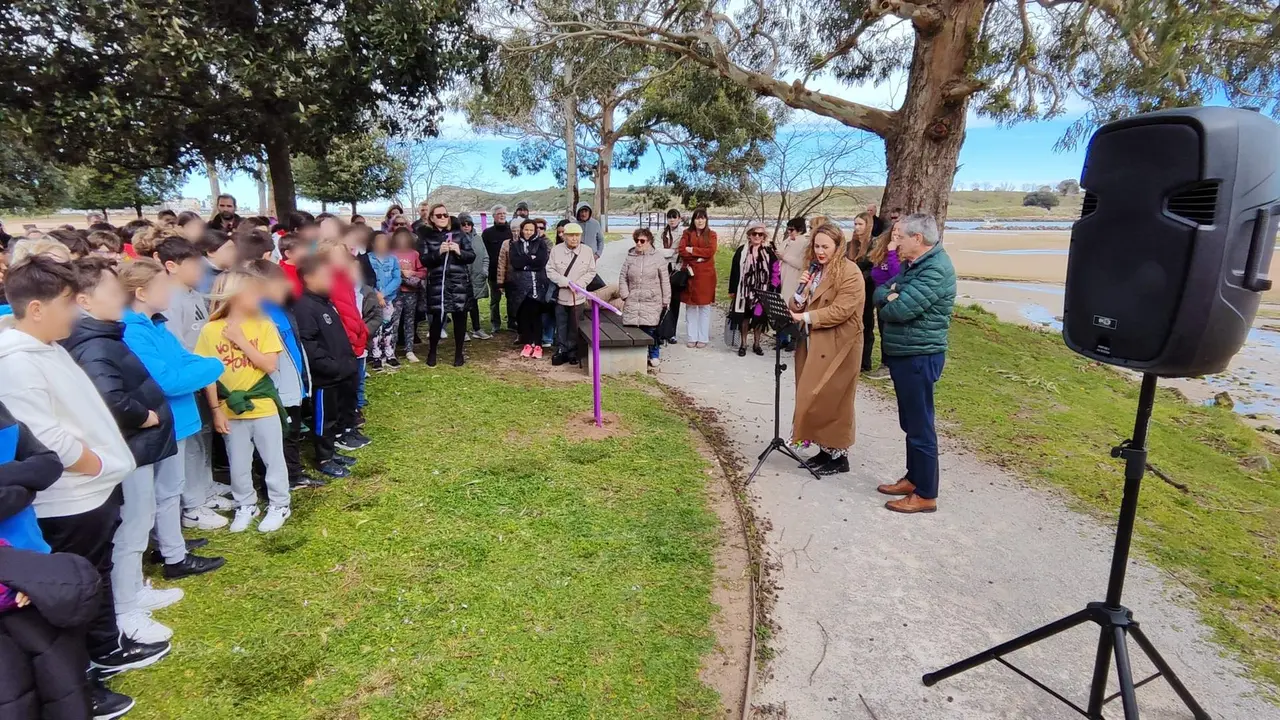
[
  {"x": 755, "y": 234},
  {"x": 641, "y": 241}
]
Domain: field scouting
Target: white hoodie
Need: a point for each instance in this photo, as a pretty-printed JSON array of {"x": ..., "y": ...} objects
[{"x": 42, "y": 386}]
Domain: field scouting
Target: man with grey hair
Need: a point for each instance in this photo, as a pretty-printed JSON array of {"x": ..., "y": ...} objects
[
  {"x": 493, "y": 237},
  {"x": 915, "y": 308}
]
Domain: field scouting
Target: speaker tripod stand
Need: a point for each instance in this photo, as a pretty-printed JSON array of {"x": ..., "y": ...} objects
[
  {"x": 1115, "y": 621},
  {"x": 779, "y": 319}
]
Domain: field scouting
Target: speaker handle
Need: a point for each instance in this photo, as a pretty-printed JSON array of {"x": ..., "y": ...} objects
[{"x": 1258, "y": 245}]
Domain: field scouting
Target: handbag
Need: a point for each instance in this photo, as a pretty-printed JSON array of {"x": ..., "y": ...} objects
[
  {"x": 732, "y": 333},
  {"x": 552, "y": 293},
  {"x": 596, "y": 283},
  {"x": 680, "y": 278}
]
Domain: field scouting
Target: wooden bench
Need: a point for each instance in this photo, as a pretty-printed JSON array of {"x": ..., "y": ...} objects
[{"x": 622, "y": 349}]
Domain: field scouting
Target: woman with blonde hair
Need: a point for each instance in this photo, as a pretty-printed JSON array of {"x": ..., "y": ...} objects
[
  {"x": 885, "y": 266},
  {"x": 828, "y": 305},
  {"x": 858, "y": 250}
]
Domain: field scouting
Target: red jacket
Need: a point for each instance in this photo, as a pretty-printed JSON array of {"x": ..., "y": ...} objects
[
  {"x": 291, "y": 272},
  {"x": 343, "y": 298}
]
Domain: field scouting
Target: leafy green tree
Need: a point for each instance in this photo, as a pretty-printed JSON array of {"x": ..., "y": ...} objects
[
  {"x": 28, "y": 182},
  {"x": 587, "y": 107},
  {"x": 356, "y": 169},
  {"x": 103, "y": 188},
  {"x": 1009, "y": 60},
  {"x": 1069, "y": 187},
  {"x": 1046, "y": 199},
  {"x": 175, "y": 83}
]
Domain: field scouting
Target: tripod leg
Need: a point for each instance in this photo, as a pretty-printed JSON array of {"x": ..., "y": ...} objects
[
  {"x": 1168, "y": 674},
  {"x": 763, "y": 456},
  {"x": 786, "y": 449},
  {"x": 1124, "y": 673},
  {"x": 1035, "y": 636},
  {"x": 1101, "y": 669}
]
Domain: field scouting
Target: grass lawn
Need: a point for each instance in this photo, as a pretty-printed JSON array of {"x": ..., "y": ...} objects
[
  {"x": 1021, "y": 398},
  {"x": 484, "y": 562}
]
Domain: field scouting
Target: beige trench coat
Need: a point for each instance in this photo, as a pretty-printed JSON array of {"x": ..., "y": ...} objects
[{"x": 827, "y": 364}]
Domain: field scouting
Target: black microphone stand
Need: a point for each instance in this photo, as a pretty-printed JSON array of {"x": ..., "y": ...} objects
[{"x": 780, "y": 320}]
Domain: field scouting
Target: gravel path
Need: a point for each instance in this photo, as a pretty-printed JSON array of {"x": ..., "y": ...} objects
[{"x": 869, "y": 600}]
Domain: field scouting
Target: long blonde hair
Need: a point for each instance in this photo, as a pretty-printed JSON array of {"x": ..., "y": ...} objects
[
  {"x": 225, "y": 288},
  {"x": 832, "y": 231},
  {"x": 860, "y": 243},
  {"x": 880, "y": 247}
]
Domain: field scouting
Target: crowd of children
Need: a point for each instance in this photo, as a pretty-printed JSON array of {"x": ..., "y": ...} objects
[{"x": 140, "y": 362}]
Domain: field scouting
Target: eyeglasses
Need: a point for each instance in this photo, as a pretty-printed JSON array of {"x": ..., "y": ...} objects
[{"x": 467, "y": 224}]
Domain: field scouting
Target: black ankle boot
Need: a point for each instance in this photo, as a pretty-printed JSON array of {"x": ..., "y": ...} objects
[
  {"x": 817, "y": 461},
  {"x": 835, "y": 467}
]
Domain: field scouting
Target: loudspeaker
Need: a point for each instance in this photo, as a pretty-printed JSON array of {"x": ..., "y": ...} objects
[{"x": 1171, "y": 253}]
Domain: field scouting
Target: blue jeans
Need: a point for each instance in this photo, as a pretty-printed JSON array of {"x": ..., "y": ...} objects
[
  {"x": 549, "y": 324},
  {"x": 656, "y": 348},
  {"x": 360, "y": 387},
  {"x": 913, "y": 379}
]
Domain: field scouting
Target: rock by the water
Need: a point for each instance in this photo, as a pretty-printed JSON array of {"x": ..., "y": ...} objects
[{"x": 1223, "y": 399}]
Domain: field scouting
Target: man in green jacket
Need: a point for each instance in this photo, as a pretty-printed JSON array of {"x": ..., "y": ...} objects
[{"x": 916, "y": 310}]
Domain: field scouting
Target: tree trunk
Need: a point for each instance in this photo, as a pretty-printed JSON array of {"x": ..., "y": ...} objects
[
  {"x": 324, "y": 206},
  {"x": 261, "y": 173},
  {"x": 281, "y": 167},
  {"x": 569, "y": 108},
  {"x": 215, "y": 189},
  {"x": 922, "y": 150},
  {"x": 604, "y": 166},
  {"x": 138, "y": 209},
  {"x": 353, "y": 210}
]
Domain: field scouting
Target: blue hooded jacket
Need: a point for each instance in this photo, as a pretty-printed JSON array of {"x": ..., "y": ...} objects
[
  {"x": 284, "y": 324},
  {"x": 387, "y": 271},
  {"x": 179, "y": 373}
]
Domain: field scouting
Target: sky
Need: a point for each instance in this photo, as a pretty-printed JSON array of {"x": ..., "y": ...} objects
[{"x": 1016, "y": 155}]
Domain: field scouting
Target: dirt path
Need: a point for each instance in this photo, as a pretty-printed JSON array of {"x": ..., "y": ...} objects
[{"x": 869, "y": 600}]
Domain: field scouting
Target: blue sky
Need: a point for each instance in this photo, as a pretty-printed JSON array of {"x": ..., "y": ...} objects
[{"x": 1017, "y": 154}]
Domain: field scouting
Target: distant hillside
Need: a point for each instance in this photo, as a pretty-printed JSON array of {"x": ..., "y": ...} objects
[{"x": 965, "y": 204}]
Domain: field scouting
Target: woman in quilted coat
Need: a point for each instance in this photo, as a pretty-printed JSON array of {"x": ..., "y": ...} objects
[{"x": 644, "y": 285}]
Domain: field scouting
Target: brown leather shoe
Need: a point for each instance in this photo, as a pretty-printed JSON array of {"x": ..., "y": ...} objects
[
  {"x": 902, "y": 487},
  {"x": 912, "y": 503}
]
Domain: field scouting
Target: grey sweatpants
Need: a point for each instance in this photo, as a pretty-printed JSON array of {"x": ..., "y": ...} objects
[
  {"x": 169, "y": 485},
  {"x": 267, "y": 436},
  {"x": 199, "y": 466},
  {"x": 137, "y": 516}
]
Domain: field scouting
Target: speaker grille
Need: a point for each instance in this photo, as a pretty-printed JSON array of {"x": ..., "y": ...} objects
[
  {"x": 1088, "y": 205},
  {"x": 1197, "y": 202}
]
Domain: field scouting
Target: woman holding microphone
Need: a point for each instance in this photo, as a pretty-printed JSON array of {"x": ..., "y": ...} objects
[{"x": 827, "y": 305}]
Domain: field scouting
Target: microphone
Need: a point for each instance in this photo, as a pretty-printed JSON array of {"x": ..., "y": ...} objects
[{"x": 813, "y": 267}]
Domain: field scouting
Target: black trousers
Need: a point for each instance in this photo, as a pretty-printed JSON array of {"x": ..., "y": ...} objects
[
  {"x": 474, "y": 310},
  {"x": 335, "y": 414},
  {"x": 667, "y": 331},
  {"x": 529, "y": 321},
  {"x": 293, "y": 444},
  {"x": 868, "y": 325},
  {"x": 495, "y": 300},
  {"x": 90, "y": 535},
  {"x": 459, "y": 334}
]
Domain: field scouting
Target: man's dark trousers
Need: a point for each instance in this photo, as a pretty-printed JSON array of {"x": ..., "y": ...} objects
[{"x": 913, "y": 380}]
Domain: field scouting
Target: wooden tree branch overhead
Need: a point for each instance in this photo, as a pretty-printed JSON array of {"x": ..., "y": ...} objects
[{"x": 1010, "y": 60}]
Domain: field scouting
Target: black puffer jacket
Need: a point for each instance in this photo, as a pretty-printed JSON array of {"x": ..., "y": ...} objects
[
  {"x": 42, "y": 650},
  {"x": 124, "y": 383},
  {"x": 329, "y": 353},
  {"x": 493, "y": 237},
  {"x": 527, "y": 277},
  {"x": 448, "y": 275}
]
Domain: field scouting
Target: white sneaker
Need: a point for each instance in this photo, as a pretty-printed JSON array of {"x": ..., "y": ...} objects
[
  {"x": 139, "y": 626},
  {"x": 220, "y": 503},
  {"x": 275, "y": 518},
  {"x": 244, "y": 515},
  {"x": 203, "y": 518},
  {"x": 654, "y": 362},
  {"x": 444, "y": 334},
  {"x": 481, "y": 335},
  {"x": 153, "y": 598},
  {"x": 467, "y": 337},
  {"x": 220, "y": 489},
  {"x": 410, "y": 357}
]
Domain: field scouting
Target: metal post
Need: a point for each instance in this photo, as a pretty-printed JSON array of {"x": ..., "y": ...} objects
[{"x": 595, "y": 361}]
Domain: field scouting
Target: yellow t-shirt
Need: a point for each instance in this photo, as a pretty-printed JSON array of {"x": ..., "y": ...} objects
[{"x": 237, "y": 372}]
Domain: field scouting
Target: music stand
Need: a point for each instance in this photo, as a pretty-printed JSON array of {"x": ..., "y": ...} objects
[{"x": 779, "y": 317}]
